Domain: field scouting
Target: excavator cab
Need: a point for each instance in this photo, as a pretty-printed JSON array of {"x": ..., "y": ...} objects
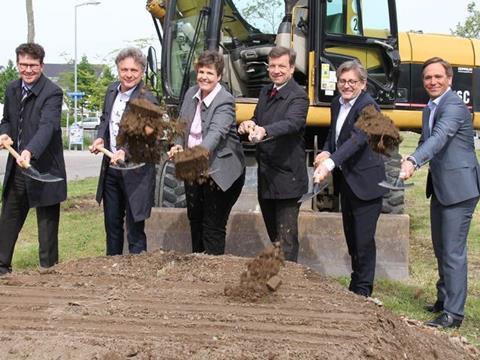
[{"x": 324, "y": 34}]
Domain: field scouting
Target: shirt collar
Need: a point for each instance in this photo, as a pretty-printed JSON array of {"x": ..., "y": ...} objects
[
  {"x": 281, "y": 86},
  {"x": 128, "y": 92},
  {"x": 436, "y": 101},
  {"x": 209, "y": 98},
  {"x": 347, "y": 103}
]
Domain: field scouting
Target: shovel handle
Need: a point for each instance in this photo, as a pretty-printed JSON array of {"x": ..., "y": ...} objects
[
  {"x": 110, "y": 155},
  {"x": 15, "y": 154}
]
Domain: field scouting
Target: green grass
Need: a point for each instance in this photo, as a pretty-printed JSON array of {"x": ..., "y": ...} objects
[{"x": 81, "y": 231}]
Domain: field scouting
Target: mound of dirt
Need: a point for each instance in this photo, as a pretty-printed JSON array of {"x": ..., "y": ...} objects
[
  {"x": 146, "y": 131},
  {"x": 168, "y": 306},
  {"x": 191, "y": 163},
  {"x": 384, "y": 137}
]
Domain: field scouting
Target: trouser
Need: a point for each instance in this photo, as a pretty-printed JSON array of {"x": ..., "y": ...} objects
[
  {"x": 14, "y": 212},
  {"x": 359, "y": 225},
  {"x": 116, "y": 208},
  {"x": 450, "y": 226},
  {"x": 208, "y": 209},
  {"x": 281, "y": 220}
]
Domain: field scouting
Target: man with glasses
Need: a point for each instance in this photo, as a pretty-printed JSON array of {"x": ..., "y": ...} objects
[
  {"x": 356, "y": 172},
  {"x": 280, "y": 116},
  {"x": 31, "y": 124}
]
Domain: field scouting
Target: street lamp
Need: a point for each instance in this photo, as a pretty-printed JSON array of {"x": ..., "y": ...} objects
[{"x": 75, "y": 96}]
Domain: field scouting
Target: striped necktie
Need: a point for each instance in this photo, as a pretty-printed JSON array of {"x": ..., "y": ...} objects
[{"x": 25, "y": 93}]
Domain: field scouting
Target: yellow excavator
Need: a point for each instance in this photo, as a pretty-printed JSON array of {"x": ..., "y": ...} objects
[{"x": 324, "y": 33}]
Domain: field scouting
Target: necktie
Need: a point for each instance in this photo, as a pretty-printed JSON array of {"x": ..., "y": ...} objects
[
  {"x": 272, "y": 93},
  {"x": 25, "y": 92}
]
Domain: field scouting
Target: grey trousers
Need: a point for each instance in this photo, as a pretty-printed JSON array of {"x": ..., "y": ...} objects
[{"x": 450, "y": 226}]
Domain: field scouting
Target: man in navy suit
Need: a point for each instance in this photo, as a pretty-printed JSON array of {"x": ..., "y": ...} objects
[
  {"x": 125, "y": 194},
  {"x": 31, "y": 120},
  {"x": 280, "y": 114},
  {"x": 453, "y": 183},
  {"x": 357, "y": 170}
]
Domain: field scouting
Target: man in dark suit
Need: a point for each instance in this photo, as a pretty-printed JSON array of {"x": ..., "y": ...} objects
[
  {"x": 31, "y": 120},
  {"x": 282, "y": 174},
  {"x": 124, "y": 193},
  {"x": 357, "y": 170},
  {"x": 453, "y": 183}
]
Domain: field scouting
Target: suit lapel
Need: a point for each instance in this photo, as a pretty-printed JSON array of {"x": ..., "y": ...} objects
[{"x": 350, "y": 119}]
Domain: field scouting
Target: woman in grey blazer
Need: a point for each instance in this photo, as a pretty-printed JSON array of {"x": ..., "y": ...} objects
[{"x": 209, "y": 113}]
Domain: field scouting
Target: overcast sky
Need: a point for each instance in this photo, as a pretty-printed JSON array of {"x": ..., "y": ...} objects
[{"x": 114, "y": 24}]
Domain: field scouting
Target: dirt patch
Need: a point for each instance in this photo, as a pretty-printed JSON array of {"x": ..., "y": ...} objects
[
  {"x": 79, "y": 203},
  {"x": 168, "y": 306},
  {"x": 384, "y": 137}
]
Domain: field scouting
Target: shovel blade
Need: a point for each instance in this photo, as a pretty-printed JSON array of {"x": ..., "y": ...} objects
[
  {"x": 33, "y": 173},
  {"x": 317, "y": 187},
  {"x": 396, "y": 186},
  {"x": 124, "y": 166}
]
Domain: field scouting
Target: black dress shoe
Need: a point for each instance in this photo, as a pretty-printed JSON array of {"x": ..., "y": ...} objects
[
  {"x": 435, "y": 308},
  {"x": 4, "y": 270},
  {"x": 445, "y": 321}
]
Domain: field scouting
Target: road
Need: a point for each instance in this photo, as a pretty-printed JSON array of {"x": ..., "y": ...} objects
[{"x": 79, "y": 164}]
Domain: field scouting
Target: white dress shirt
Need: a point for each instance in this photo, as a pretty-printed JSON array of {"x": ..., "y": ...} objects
[
  {"x": 345, "y": 107},
  {"x": 117, "y": 112}
]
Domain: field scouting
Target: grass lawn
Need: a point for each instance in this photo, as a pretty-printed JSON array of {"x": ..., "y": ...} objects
[{"x": 81, "y": 234}]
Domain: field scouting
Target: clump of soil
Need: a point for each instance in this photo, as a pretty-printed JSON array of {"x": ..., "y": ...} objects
[
  {"x": 384, "y": 136},
  {"x": 146, "y": 131},
  {"x": 254, "y": 282},
  {"x": 191, "y": 164},
  {"x": 162, "y": 305}
]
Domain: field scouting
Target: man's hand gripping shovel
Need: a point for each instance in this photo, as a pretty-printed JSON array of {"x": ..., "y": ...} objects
[
  {"x": 119, "y": 164},
  {"x": 25, "y": 166}
]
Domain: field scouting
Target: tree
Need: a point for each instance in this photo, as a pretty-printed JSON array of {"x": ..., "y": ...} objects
[
  {"x": 471, "y": 27},
  {"x": 6, "y": 76},
  {"x": 87, "y": 81},
  {"x": 30, "y": 22},
  {"x": 264, "y": 14}
]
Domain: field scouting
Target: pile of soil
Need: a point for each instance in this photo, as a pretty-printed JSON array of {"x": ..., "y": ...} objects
[
  {"x": 384, "y": 137},
  {"x": 146, "y": 131},
  {"x": 168, "y": 306},
  {"x": 260, "y": 278},
  {"x": 191, "y": 164}
]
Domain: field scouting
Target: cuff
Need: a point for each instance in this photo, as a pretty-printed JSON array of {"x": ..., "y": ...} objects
[
  {"x": 413, "y": 161},
  {"x": 329, "y": 164}
]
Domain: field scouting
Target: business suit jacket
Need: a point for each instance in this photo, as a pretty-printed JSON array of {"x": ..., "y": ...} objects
[
  {"x": 454, "y": 173},
  {"x": 361, "y": 167},
  {"x": 140, "y": 182},
  {"x": 282, "y": 172},
  {"x": 219, "y": 135},
  {"x": 41, "y": 135}
]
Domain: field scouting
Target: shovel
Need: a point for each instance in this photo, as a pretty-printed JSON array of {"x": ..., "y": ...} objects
[
  {"x": 29, "y": 170},
  {"x": 397, "y": 185},
  {"x": 121, "y": 165},
  {"x": 316, "y": 188}
]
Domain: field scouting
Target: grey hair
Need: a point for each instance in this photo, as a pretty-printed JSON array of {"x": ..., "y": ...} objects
[
  {"x": 132, "y": 52},
  {"x": 355, "y": 66}
]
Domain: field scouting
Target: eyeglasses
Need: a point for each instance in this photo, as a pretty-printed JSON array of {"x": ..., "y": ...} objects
[
  {"x": 350, "y": 82},
  {"x": 23, "y": 66}
]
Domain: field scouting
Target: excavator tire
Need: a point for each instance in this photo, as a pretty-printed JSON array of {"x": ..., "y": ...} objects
[{"x": 169, "y": 192}]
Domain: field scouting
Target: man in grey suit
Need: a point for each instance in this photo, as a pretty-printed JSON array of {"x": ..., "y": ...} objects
[
  {"x": 31, "y": 119},
  {"x": 125, "y": 194},
  {"x": 453, "y": 183}
]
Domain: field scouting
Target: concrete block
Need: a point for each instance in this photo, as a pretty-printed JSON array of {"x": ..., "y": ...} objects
[{"x": 322, "y": 243}]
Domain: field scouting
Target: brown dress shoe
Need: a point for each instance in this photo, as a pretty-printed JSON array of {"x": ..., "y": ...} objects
[{"x": 445, "y": 321}]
